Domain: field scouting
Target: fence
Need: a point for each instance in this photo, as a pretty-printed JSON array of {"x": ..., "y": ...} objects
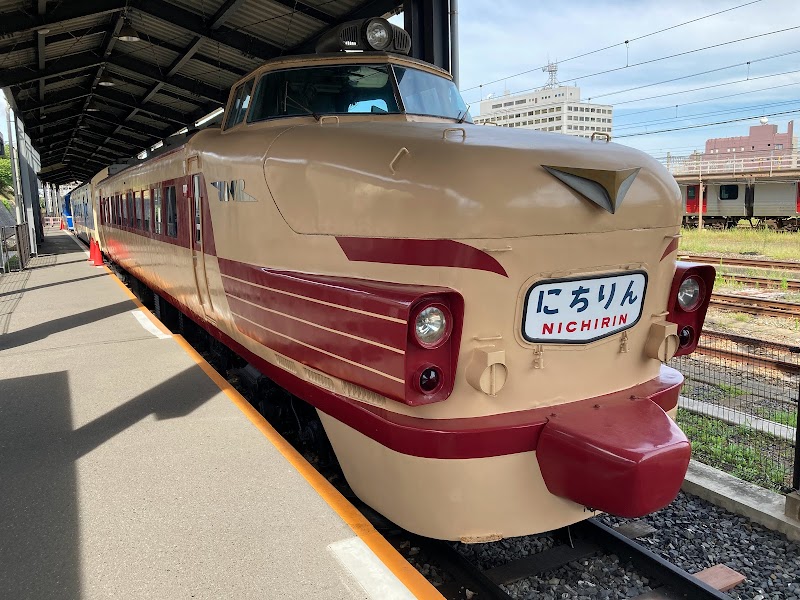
[
  {"x": 739, "y": 407},
  {"x": 695, "y": 164},
  {"x": 15, "y": 248},
  {"x": 51, "y": 221}
]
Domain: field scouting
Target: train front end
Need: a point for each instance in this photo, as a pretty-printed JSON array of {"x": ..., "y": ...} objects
[{"x": 500, "y": 303}]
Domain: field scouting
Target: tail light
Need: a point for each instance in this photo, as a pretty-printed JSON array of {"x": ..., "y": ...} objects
[
  {"x": 434, "y": 335},
  {"x": 688, "y": 302}
]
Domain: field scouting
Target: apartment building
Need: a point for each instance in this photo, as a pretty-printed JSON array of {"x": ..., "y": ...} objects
[{"x": 558, "y": 109}]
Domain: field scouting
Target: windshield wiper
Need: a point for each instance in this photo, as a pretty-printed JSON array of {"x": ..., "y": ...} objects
[
  {"x": 302, "y": 107},
  {"x": 463, "y": 115}
]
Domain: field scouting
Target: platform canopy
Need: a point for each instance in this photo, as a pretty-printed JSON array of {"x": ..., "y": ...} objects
[{"x": 89, "y": 95}]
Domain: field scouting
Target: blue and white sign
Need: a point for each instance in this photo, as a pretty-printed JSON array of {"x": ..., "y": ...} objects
[{"x": 578, "y": 311}]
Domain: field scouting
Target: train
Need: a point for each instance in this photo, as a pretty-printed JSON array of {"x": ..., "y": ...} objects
[
  {"x": 774, "y": 204},
  {"x": 480, "y": 317}
]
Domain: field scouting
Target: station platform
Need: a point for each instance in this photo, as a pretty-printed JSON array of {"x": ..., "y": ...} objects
[{"x": 130, "y": 469}]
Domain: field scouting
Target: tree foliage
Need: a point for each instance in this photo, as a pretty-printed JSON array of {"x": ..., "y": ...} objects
[{"x": 6, "y": 184}]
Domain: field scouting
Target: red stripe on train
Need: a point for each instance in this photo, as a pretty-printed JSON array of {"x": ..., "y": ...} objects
[
  {"x": 426, "y": 253},
  {"x": 389, "y": 333},
  {"x": 363, "y": 353}
]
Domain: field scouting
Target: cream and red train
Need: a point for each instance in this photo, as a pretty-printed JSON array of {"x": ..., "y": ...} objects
[{"x": 481, "y": 316}]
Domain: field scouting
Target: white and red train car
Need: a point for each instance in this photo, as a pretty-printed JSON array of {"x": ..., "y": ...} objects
[{"x": 480, "y": 316}]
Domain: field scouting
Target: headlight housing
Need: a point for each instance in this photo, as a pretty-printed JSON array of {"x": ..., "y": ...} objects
[
  {"x": 690, "y": 293},
  {"x": 378, "y": 33},
  {"x": 431, "y": 326}
]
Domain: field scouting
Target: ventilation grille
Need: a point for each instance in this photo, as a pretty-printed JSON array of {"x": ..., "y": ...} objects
[{"x": 349, "y": 36}]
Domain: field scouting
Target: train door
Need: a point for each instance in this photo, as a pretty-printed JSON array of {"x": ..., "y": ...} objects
[
  {"x": 749, "y": 200},
  {"x": 692, "y": 204},
  {"x": 197, "y": 198}
]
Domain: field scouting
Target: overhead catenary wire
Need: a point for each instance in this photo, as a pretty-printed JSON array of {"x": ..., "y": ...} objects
[
  {"x": 682, "y": 104},
  {"x": 706, "y": 114},
  {"x": 700, "y": 125},
  {"x": 670, "y": 56},
  {"x": 626, "y": 42}
]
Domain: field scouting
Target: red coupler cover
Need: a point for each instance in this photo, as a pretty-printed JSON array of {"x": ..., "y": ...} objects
[{"x": 621, "y": 456}]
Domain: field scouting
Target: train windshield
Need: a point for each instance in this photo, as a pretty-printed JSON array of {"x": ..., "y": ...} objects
[{"x": 354, "y": 89}]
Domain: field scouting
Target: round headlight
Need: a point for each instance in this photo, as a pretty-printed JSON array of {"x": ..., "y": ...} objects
[
  {"x": 430, "y": 326},
  {"x": 378, "y": 34},
  {"x": 690, "y": 294}
]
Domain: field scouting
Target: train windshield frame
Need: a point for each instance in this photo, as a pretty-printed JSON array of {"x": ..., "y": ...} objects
[{"x": 353, "y": 89}]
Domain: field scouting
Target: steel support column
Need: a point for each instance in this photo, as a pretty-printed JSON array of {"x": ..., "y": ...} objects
[{"x": 428, "y": 23}]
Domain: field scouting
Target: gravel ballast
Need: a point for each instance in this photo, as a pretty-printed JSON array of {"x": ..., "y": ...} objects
[{"x": 691, "y": 533}]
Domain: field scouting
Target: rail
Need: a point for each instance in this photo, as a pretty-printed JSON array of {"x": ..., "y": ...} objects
[
  {"x": 775, "y": 265},
  {"x": 755, "y": 306},
  {"x": 577, "y": 542},
  {"x": 765, "y": 282},
  {"x": 15, "y": 247}
]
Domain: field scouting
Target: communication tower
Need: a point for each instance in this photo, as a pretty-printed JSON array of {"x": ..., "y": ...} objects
[{"x": 551, "y": 69}]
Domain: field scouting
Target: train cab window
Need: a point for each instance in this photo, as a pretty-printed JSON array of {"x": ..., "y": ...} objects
[
  {"x": 157, "y": 209},
  {"x": 728, "y": 192},
  {"x": 138, "y": 209},
  {"x": 427, "y": 94},
  {"x": 171, "y": 202},
  {"x": 146, "y": 208},
  {"x": 240, "y": 103},
  {"x": 325, "y": 90}
]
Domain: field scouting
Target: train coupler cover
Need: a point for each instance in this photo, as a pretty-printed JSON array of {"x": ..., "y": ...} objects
[{"x": 623, "y": 456}]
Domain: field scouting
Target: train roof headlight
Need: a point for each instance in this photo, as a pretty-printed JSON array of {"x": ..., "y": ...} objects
[
  {"x": 431, "y": 326},
  {"x": 690, "y": 294},
  {"x": 378, "y": 33}
]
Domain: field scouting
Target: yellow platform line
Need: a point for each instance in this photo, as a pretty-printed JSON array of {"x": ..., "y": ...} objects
[{"x": 400, "y": 567}]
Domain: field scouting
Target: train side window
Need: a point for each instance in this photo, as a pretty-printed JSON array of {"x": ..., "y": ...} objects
[
  {"x": 138, "y": 205},
  {"x": 146, "y": 208},
  {"x": 691, "y": 193},
  {"x": 729, "y": 192},
  {"x": 125, "y": 207},
  {"x": 157, "y": 209},
  {"x": 241, "y": 101},
  {"x": 171, "y": 202}
]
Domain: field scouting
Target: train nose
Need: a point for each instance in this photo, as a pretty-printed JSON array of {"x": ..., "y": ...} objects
[{"x": 623, "y": 456}]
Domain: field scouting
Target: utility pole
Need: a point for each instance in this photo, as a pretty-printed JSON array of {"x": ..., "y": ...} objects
[{"x": 700, "y": 199}]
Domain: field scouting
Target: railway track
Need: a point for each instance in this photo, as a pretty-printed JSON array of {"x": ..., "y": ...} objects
[
  {"x": 776, "y": 265},
  {"x": 578, "y": 542},
  {"x": 766, "y": 282},
  {"x": 755, "y": 306},
  {"x": 775, "y": 360}
]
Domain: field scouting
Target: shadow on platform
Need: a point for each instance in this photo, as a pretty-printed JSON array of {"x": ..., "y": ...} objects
[
  {"x": 40, "y": 530},
  {"x": 47, "y": 285},
  {"x": 48, "y": 328}
]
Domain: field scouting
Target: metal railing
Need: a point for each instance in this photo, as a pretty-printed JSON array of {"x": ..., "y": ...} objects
[
  {"x": 15, "y": 248},
  {"x": 730, "y": 163},
  {"x": 51, "y": 222},
  {"x": 739, "y": 407}
]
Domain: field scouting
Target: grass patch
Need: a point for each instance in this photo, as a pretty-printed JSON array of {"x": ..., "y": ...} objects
[
  {"x": 742, "y": 452},
  {"x": 731, "y": 390},
  {"x": 771, "y": 244},
  {"x": 778, "y": 416}
]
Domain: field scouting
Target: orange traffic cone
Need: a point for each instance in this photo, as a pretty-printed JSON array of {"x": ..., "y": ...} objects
[
  {"x": 98, "y": 255},
  {"x": 91, "y": 249},
  {"x": 62, "y": 224}
]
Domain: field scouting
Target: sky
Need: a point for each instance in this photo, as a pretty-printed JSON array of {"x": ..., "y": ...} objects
[{"x": 499, "y": 38}]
